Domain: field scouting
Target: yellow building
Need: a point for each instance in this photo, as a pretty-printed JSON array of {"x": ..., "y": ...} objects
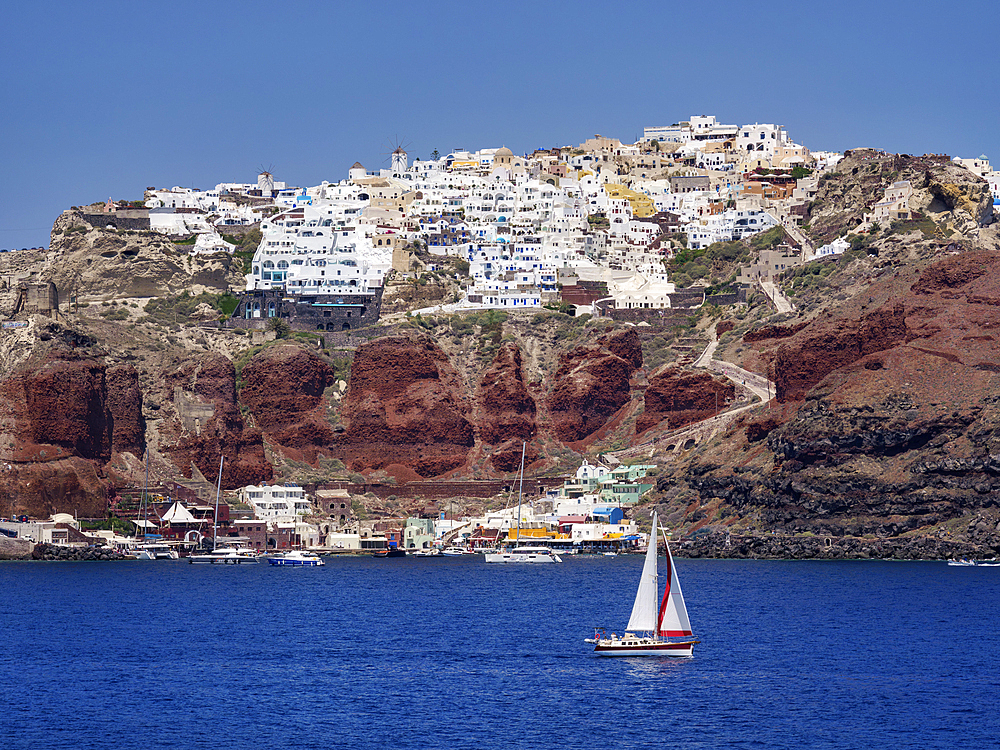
[{"x": 642, "y": 205}]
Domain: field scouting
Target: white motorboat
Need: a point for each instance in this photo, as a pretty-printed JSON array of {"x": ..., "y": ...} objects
[
  {"x": 297, "y": 558},
  {"x": 524, "y": 555},
  {"x": 155, "y": 551},
  {"x": 453, "y": 552},
  {"x": 969, "y": 563},
  {"x": 434, "y": 552},
  {"x": 658, "y": 624},
  {"x": 226, "y": 556}
]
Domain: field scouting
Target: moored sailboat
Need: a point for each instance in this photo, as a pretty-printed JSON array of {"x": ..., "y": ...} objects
[{"x": 658, "y": 625}]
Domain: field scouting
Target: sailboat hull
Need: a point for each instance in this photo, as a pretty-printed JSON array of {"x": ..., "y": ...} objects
[{"x": 643, "y": 647}]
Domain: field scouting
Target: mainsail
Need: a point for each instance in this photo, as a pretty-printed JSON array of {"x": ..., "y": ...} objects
[{"x": 644, "y": 615}]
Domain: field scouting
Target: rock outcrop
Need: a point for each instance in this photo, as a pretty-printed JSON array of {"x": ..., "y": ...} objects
[
  {"x": 506, "y": 410},
  {"x": 207, "y": 424},
  {"x": 405, "y": 404},
  {"x": 592, "y": 383},
  {"x": 950, "y": 194},
  {"x": 683, "y": 398},
  {"x": 94, "y": 262},
  {"x": 283, "y": 389},
  {"x": 57, "y": 430}
]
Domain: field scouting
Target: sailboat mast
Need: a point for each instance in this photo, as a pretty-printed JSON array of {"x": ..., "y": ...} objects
[
  {"x": 145, "y": 490},
  {"x": 519, "y": 493},
  {"x": 218, "y": 491}
]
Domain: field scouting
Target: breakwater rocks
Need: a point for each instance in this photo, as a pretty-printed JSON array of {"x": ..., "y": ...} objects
[
  {"x": 76, "y": 554},
  {"x": 14, "y": 549},
  {"x": 780, "y": 547}
]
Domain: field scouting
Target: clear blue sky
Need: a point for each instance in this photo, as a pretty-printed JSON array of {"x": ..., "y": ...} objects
[{"x": 104, "y": 99}]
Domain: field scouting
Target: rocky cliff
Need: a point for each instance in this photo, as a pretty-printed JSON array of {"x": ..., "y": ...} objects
[
  {"x": 96, "y": 262},
  {"x": 405, "y": 404}
]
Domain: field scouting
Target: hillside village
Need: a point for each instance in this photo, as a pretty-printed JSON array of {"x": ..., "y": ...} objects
[
  {"x": 693, "y": 217},
  {"x": 589, "y": 225}
]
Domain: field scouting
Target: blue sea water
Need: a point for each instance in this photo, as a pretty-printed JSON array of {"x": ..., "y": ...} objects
[{"x": 454, "y": 653}]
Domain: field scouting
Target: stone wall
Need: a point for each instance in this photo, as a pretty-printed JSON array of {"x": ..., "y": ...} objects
[
  {"x": 331, "y": 313},
  {"x": 130, "y": 219}
]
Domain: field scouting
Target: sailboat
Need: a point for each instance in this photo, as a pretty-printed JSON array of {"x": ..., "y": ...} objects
[
  {"x": 521, "y": 554},
  {"x": 226, "y": 555},
  {"x": 657, "y": 624}
]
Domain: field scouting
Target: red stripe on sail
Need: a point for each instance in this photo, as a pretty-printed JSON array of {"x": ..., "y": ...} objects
[
  {"x": 675, "y": 633},
  {"x": 666, "y": 591}
]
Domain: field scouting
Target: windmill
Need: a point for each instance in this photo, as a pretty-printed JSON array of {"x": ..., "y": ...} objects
[
  {"x": 265, "y": 181},
  {"x": 397, "y": 157}
]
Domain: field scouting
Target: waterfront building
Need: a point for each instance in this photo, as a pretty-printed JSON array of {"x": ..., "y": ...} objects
[{"x": 277, "y": 503}]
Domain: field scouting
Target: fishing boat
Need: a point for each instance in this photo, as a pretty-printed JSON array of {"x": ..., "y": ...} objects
[
  {"x": 657, "y": 625},
  {"x": 390, "y": 552}
]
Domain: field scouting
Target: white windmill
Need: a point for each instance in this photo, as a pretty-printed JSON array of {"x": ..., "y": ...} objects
[
  {"x": 265, "y": 182},
  {"x": 398, "y": 159}
]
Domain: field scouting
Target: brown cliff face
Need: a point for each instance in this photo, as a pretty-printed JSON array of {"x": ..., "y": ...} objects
[
  {"x": 896, "y": 427},
  {"x": 55, "y": 407},
  {"x": 683, "y": 398},
  {"x": 128, "y": 428},
  {"x": 58, "y": 414},
  {"x": 283, "y": 389},
  {"x": 591, "y": 384},
  {"x": 829, "y": 344},
  {"x": 208, "y": 424},
  {"x": 405, "y": 404},
  {"x": 507, "y": 411}
]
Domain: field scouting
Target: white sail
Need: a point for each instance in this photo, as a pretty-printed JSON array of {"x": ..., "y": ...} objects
[
  {"x": 673, "y": 614},
  {"x": 644, "y": 615}
]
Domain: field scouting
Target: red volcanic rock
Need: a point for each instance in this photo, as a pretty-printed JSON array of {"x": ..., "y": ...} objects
[
  {"x": 507, "y": 458},
  {"x": 43, "y": 488},
  {"x": 955, "y": 271},
  {"x": 283, "y": 389},
  {"x": 507, "y": 411},
  {"x": 128, "y": 429},
  {"x": 624, "y": 343},
  {"x": 57, "y": 408},
  {"x": 761, "y": 428},
  {"x": 771, "y": 332},
  {"x": 208, "y": 425},
  {"x": 591, "y": 384},
  {"x": 724, "y": 327},
  {"x": 683, "y": 398},
  {"x": 405, "y": 404},
  {"x": 828, "y": 344},
  {"x": 60, "y": 414}
]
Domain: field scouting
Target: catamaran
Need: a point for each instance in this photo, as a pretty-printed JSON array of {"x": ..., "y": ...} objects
[
  {"x": 521, "y": 554},
  {"x": 657, "y": 624}
]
